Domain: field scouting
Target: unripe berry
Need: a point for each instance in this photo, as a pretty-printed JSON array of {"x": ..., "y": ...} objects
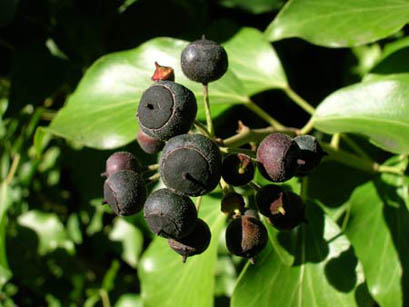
[
  {"x": 149, "y": 144},
  {"x": 125, "y": 192},
  {"x": 204, "y": 61},
  {"x": 170, "y": 215},
  {"x": 278, "y": 157},
  {"x": 121, "y": 160},
  {"x": 166, "y": 109}
]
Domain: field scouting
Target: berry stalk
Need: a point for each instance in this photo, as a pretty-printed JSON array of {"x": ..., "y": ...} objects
[{"x": 209, "y": 120}]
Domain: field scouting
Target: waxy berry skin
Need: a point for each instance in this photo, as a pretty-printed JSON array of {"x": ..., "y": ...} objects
[
  {"x": 204, "y": 61},
  {"x": 125, "y": 192},
  {"x": 190, "y": 164},
  {"x": 246, "y": 236},
  {"x": 170, "y": 215},
  {"x": 277, "y": 157},
  {"x": 193, "y": 244},
  {"x": 166, "y": 109}
]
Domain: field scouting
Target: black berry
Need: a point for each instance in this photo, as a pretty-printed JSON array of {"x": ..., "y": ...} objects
[
  {"x": 311, "y": 153},
  {"x": 278, "y": 157},
  {"x": 166, "y": 109},
  {"x": 270, "y": 199},
  {"x": 149, "y": 144},
  {"x": 246, "y": 236},
  {"x": 291, "y": 215},
  {"x": 125, "y": 192},
  {"x": 190, "y": 164},
  {"x": 193, "y": 244},
  {"x": 170, "y": 215},
  {"x": 232, "y": 201},
  {"x": 237, "y": 169},
  {"x": 204, "y": 61},
  {"x": 121, "y": 160}
]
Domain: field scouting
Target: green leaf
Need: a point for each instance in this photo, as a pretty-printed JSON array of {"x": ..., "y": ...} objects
[
  {"x": 283, "y": 243},
  {"x": 131, "y": 240},
  {"x": 49, "y": 229},
  {"x": 5, "y": 202},
  {"x": 378, "y": 231},
  {"x": 254, "y": 6},
  {"x": 254, "y": 61},
  {"x": 129, "y": 300},
  {"x": 102, "y": 111},
  {"x": 323, "y": 274},
  {"x": 378, "y": 109},
  {"x": 166, "y": 281},
  {"x": 393, "y": 60},
  {"x": 334, "y": 23}
]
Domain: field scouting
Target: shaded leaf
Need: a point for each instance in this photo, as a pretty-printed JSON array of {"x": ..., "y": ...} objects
[
  {"x": 254, "y": 61},
  {"x": 49, "y": 229},
  {"x": 334, "y": 23},
  {"x": 378, "y": 109},
  {"x": 254, "y": 6},
  {"x": 182, "y": 284},
  {"x": 377, "y": 227},
  {"x": 312, "y": 280},
  {"x": 131, "y": 239},
  {"x": 102, "y": 111}
]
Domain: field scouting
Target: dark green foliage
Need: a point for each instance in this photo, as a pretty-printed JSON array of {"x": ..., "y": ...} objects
[
  {"x": 277, "y": 157},
  {"x": 121, "y": 160},
  {"x": 125, "y": 192},
  {"x": 246, "y": 236},
  {"x": 204, "y": 61},
  {"x": 166, "y": 109},
  {"x": 149, "y": 144},
  {"x": 311, "y": 153},
  {"x": 237, "y": 169},
  {"x": 193, "y": 244},
  {"x": 190, "y": 164},
  {"x": 170, "y": 215}
]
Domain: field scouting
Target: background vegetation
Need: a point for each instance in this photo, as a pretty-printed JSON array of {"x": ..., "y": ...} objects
[{"x": 71, "y": 76}]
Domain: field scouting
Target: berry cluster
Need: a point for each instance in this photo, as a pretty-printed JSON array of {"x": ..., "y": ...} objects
[{"x": 192, "y": 165}]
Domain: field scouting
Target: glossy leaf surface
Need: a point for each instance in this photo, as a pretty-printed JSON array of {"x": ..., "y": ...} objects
[
  {"x": 378, "y": 109},
  {"x": 334, "y": 23},
  {"x": 167, "y": 281}
]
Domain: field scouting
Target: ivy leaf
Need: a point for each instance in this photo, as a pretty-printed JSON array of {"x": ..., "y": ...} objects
[
  {"x": 378, "y": 109},
  {"x": 392, "y": 61},
  {"x": 101, "y": 113},
  {"x": 166, "y": 281},
  {"x": 378, "y": 225},
  {"x": 49, "y": 229},
  {"x": 323, "y": 274},
  {"x": 254, "y": 6},
  {"x": 131, "y": 239},
  {"x": 334, "y": 23},
  {"x": 255, "y": 62}
]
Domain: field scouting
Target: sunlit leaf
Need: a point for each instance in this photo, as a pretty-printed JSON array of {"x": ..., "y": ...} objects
[
  {"x": 378, "y": 109},
  {"x": 167, "y": 281},
  {"x": 334, "y": 23}
]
